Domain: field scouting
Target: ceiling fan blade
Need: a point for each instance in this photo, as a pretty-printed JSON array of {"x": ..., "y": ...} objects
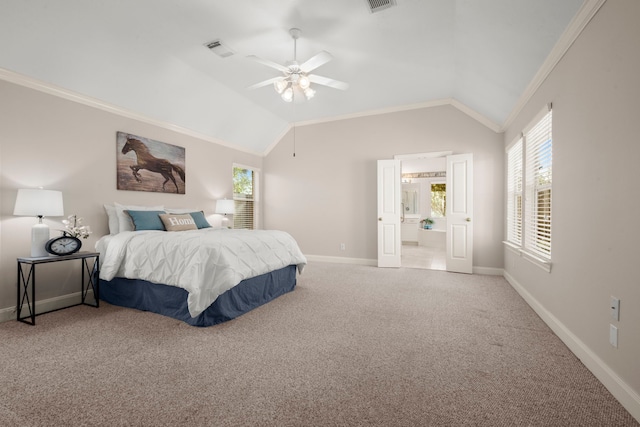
[
  {"x": 316, "y": 61},
  {"x": 265, "y": 83},
  {"x": 325, "y": 81},
  {"x": 269, "y": 63}
]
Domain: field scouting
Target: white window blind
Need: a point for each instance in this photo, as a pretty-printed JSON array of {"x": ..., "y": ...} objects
[
  {"x": 244, "y": 180},
  {"x": 538, "y": 178},
  {"x": 514, "y": 193},
  {"x": 529, "y": 181}
]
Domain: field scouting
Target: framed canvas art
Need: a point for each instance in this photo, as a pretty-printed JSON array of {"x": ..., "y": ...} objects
[{"x": 147, "y": 165}]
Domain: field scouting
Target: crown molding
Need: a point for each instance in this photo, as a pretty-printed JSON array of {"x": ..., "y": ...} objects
[
  {"x": 69, "y": 95},
  {"x": 48, "y": 88},
  {"x": 587, "y": 11},
  {"x": 437, "y": 103},
  {"x": 429, "y": 104},
  {"x": 477, "y": 116}
]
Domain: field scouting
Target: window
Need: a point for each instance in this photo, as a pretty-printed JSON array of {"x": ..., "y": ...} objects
[
  {"x": 438, "y": 200},
  {"x": 244, "y": 197},
  {"x": 529, "y": 179},
  {"x": 514, "y": 193}
]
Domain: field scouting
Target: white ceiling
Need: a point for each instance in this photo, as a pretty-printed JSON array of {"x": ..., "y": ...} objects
[{"x": 148, "y": 56}]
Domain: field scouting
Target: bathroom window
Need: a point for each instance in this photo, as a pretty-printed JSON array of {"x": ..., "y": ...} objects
[{"x": 438, "y": 200}]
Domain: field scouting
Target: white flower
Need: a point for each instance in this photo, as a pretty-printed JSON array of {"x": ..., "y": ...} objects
[{"x": 74, "y": 228}]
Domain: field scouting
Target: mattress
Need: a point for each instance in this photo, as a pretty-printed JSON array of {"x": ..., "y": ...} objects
[{"x": 205, "y": 263}]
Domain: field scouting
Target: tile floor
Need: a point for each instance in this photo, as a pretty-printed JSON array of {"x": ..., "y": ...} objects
[{"x": 414, "y": 256}]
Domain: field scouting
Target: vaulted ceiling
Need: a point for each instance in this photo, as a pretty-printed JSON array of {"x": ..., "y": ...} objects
[{"x": 150, "y": 56}]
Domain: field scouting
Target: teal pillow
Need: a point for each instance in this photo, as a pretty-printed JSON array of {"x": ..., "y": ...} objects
[
  {"x": 200, "y": 220},
  {"x": 146, "y": 220}
]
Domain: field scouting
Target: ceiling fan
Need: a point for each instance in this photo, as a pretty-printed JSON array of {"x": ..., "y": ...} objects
[{"x": 296, "y": 77}]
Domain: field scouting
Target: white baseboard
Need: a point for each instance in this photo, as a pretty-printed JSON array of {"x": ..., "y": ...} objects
[
  {"x": 372, "y": 262},
  {"x": 618, "y": 388},
  {"x": 42, "y": 306},
  {"x": 342, "y": 260},
  {"x": 7, "y": 314},
  {"x": 489, "y": 271}
]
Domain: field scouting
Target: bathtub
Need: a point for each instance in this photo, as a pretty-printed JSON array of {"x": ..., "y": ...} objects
[{"x": 432, "y": 238}]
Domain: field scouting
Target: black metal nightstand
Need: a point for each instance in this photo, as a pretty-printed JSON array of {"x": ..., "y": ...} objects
[{"x": 92, "y": 283}]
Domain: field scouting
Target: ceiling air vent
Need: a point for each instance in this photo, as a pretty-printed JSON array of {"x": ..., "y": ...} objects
[
  {"x": 378, "y": 5},
  {"x": 219, "y": 49}
]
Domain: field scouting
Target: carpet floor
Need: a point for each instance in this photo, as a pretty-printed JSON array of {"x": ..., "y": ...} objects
[{"x": 350, "y": 346}]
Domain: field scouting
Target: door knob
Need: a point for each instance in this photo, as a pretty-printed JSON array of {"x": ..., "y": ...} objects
[
  {"x": 468, "y": 219},
  {"x": 380, "y": 219}
]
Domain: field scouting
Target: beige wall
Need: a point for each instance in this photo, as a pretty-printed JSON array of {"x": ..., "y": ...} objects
[
  {"x": 62, "y": 145},
  {"x": 595, "y": 92},
  {"x": 326, "y": 194}
]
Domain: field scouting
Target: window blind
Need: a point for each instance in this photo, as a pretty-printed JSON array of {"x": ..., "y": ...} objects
[
  {"x": 514, "y": 193},
  {"x": 243, "y": 216},
  {"x": 244, "y": 180},
  {"x": 538, "y": 178}
]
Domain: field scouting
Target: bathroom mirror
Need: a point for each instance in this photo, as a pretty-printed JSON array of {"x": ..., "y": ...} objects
[{"x": 411, "y": 199}]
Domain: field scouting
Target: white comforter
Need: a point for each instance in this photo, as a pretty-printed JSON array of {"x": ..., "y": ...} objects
[{"x": 204, "y": 262}]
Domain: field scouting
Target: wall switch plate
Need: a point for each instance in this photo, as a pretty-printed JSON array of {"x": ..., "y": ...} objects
[
  {"x": 613, "y": 336},
  {"x": 615, "y": 309},
  {"x": 343, "y": 246}
]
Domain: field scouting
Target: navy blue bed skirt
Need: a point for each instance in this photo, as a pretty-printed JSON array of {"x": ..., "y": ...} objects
[{"x": 172, "y": 301}]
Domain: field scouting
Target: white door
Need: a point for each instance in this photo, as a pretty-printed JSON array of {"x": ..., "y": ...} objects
[
  {"x": 460, "y": 213},
  {"x": 389, "y": 200}
]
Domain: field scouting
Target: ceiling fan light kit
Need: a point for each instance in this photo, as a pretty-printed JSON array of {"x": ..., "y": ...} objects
[{"x": 296, "y": 77}]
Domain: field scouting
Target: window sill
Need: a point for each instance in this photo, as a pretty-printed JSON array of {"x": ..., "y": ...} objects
[{"x": 534, "y": 259}]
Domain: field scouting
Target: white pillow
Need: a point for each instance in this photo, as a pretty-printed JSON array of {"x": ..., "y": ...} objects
[
  {"x": 124, "y": 220},
  {"x": 114, "y": 227},
  {"x": 181, "y": 211}
]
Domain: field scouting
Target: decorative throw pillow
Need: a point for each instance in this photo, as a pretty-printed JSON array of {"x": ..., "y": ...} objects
[
  {"x": 198, "y": 216},
  {"x": 176, "y": 222},
  {"x": 124, "y": 220},
  {"x": 200, "y": 220},
  {"x": 146, "y": 220},
  {"x": 180, "y": 210}
]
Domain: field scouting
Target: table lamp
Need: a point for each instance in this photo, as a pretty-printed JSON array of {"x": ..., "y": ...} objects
[
  {"x": 225, "y": 207},
  {"x": 39, "y": 203}
]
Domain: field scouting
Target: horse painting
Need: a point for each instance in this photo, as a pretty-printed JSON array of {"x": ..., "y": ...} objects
[{"x": 146, "y": 160}]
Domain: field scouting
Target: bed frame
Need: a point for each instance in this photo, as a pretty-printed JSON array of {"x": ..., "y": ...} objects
[{"x": 172, "y": 301}]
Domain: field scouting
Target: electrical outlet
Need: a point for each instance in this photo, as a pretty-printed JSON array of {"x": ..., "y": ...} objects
[
  {"x": 343, "y": 246},
  {"x": 613, "y": 336},
  {"x": 615, "y": 309}
]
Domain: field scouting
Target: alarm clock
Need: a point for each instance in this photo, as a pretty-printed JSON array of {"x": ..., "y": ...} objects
[{"x": 63, "y": 245}]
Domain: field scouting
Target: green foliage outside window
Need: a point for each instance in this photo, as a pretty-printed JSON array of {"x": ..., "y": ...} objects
[
  {"x": 438, "y": 200},
  {"x": 243, "y": 198},
  {"x": 242, "y": 182}
]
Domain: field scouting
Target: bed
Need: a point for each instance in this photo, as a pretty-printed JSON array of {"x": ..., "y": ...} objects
[{"x": 201, "y": 276}]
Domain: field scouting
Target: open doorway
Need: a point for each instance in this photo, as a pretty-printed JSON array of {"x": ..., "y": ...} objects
[
  {"x": 458, "y": 234},
  {"x": 424, "y": 222}
]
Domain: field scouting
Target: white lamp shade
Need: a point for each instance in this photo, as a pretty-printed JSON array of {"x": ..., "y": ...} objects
[
  {"x": 35, "y": 202},
  {"x": 287, "y": 95},
  {"x": 32, "y": 202},
  {"x": 309, "y": 93},
  {"x": 304, "y": 82},
  {"x": 280, "y": 85},
  {"x": 225, "y": 207}
]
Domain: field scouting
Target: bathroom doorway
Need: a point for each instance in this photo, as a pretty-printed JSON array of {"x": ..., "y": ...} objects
[{"x": 424, "y": 197}]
